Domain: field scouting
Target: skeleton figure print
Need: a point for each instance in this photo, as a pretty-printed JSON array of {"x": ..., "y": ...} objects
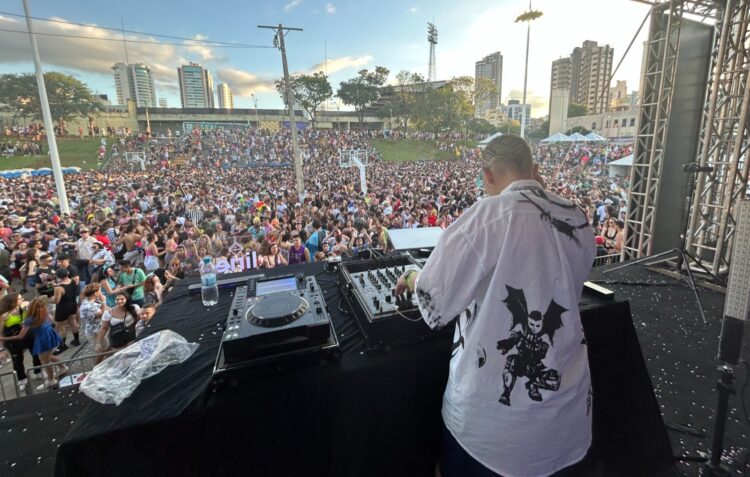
[{"x": 531, "y": 335}]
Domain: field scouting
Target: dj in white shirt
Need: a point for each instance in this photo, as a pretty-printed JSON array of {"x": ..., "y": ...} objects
[{"x": 511, "y": 269}]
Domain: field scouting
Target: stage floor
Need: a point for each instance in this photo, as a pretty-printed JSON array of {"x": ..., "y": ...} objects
[
  {"x": 678, "y": 348},
  {"x": 680, "y": 353}
]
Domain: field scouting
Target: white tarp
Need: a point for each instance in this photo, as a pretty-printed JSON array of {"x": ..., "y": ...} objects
[{"x": 559, "y": 137}]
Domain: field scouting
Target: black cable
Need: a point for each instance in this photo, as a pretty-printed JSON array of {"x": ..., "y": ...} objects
[
  {"x": 129, "y": 41},
  {"x": 341, "y": 309},
  {"x": 121, "y": 30},
  {"x": 742, "y": 393}
]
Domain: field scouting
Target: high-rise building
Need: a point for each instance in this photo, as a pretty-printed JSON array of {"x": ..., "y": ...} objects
[
  {"x": 559, "y": 81},
  {"x": 226, "y": 100},
  {"x": 196, "y": 86},
  {"x": 163, "y": 102},
  {"x": 490, "y": 67},
  {"x": 591, "y": 68},
  {"x": 134, "y": 82},
  {"x": 515, "y": 111},
  {"x": 618, "y": 96}
]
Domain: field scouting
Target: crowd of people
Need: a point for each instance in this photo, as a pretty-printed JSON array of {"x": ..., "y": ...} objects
[{"x": 102, "y": 270}]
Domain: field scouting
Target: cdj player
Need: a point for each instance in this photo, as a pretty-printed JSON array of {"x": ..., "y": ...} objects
[{"x": 271, "y": 317}]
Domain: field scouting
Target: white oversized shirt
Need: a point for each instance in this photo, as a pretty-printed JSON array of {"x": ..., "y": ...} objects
[{"x": 522, "y": 254}]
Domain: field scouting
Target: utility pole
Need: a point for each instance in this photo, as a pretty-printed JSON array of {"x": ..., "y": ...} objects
[
  {"x": 62, "y": 195},
  {"x": 278, "y": 41}
]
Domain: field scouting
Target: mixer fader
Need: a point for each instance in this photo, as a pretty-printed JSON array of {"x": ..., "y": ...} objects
[
  {"x": 378, "y": 289},
  {"x": 384, "y": 318}
]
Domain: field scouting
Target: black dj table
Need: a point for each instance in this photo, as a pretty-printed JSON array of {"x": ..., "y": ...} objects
[{"x": 365, "y": 415}]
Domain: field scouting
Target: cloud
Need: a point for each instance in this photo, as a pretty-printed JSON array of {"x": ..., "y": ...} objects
[
  {"x": 538, "y": 102},
  {"x": 292, "y": 5},
  {"x": 330, "y": 8},
  {"x": 339, "y": 64},
  {"x": 244, "y": 83},
  {"x": 206, "y": 53},
  {"x": 97, "y": 57},
  {"x": 411, "y": 10}
]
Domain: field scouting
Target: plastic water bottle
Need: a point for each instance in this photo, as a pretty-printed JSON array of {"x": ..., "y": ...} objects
[{"x": 209, "y": 289}]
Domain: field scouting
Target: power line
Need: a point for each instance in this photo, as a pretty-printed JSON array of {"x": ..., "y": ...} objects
[
  {"x": 132, "y": 41},
  {"x": 213, "y": 42}
]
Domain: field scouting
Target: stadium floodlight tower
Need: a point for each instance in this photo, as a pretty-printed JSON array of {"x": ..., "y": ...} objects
[
  {"x": 356, "y": 157},
  {"x": 432, "y": 35}
]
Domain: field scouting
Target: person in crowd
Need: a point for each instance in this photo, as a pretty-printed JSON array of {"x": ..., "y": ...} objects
[
  {"x": 29, "y": 268},
  {"x": 64, "y": 296},
  {"x": 108, "y": 284},
  {"x": 271, "y": 257},
  {"x": 13, "y": 311},
  {"x": 152, "y": 254},
  {"x": 152, "y": 290},
  {"x": 46, "y": 340},
  {"x": 118, "y": 324},
  {"x": 612, "y": 235},
  {"x": 298, "y": 253},
  {"x": 147, "y": 312},
  {"x": 91, "y": 309},
  {"x": 84, "y": 251},
  {"x": 44, "y": 278},
  {"x": 132, "y": 280},
  {"x": 521, "y": 297}
]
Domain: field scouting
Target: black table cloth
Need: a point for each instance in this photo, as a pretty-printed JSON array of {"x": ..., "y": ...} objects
[{"x": 366, "y": 415}]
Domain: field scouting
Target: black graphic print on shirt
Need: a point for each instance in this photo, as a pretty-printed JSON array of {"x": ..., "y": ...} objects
[
  {"x": 526, "y": 336},
  {"x": 562, "y": 226},
  {"x": 459, "y": 342}
]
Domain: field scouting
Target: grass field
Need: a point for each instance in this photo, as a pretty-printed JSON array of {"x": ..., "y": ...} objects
[
  {"x": 73, "y": 153},
  {"x": 410, "y": 150}
]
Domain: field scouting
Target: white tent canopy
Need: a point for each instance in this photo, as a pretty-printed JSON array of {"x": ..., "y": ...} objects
[
  {"x": 577, "y": 137},
  {"x": 559, "y": 137},
  {"x": 620, "y": 167},
  {"x": 594, "y": 137},
  {"x": 483, "y": 143}
]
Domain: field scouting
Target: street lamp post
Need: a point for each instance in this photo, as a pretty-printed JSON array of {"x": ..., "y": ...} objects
[
  {"x": 257, "y": 117},
  {"x": 528, "y": 17}
]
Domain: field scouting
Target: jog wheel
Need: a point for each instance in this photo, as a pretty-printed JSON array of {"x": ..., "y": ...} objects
[{"x": 277, "y": 310}]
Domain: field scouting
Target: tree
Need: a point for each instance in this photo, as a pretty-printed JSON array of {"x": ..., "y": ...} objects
[
  {"x": 575, "y": 110},
  {"x": 309, "y": 91},
  {"x": 541, "y": 132},
  {"x": 511, "y": 126},
  {"x": 363, "y": 90},
  {"x": 404, "y": 95},
  {"x": 481, "y": 126},
  {"x": 68, "y": 97}
]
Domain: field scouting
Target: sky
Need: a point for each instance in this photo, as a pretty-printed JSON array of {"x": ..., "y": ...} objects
[{"x": 351, "y": 35}]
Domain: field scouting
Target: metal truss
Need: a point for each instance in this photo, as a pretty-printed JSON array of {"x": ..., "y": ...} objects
[
  {"x": 703, "y": 8},
  {"x": 657, "y": 85},
  {"x": 724, "y": 140}
]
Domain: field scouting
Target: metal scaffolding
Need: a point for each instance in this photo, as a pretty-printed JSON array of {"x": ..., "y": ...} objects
[
  {"x": 657, "y": 85},
  {"x": 724, "y": 140}
]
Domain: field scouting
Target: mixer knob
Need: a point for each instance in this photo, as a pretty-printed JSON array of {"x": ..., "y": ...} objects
[{"x": 388, "y": 298}]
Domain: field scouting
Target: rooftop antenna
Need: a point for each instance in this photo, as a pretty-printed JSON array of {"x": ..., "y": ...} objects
[{"x": 124, "y": 43}]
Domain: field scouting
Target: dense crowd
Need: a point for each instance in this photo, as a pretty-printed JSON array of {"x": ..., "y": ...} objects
[{"x": 102, "y": 270}]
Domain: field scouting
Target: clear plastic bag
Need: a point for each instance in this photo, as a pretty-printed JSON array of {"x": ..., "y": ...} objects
[{"x": 114, "y": 379}]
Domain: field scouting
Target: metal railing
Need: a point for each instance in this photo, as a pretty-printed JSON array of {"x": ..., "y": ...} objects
[
  {"x": 15, "y": 387},
  {"x": 607, "y": 259},
  {"x": 78, "y": 367}
]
